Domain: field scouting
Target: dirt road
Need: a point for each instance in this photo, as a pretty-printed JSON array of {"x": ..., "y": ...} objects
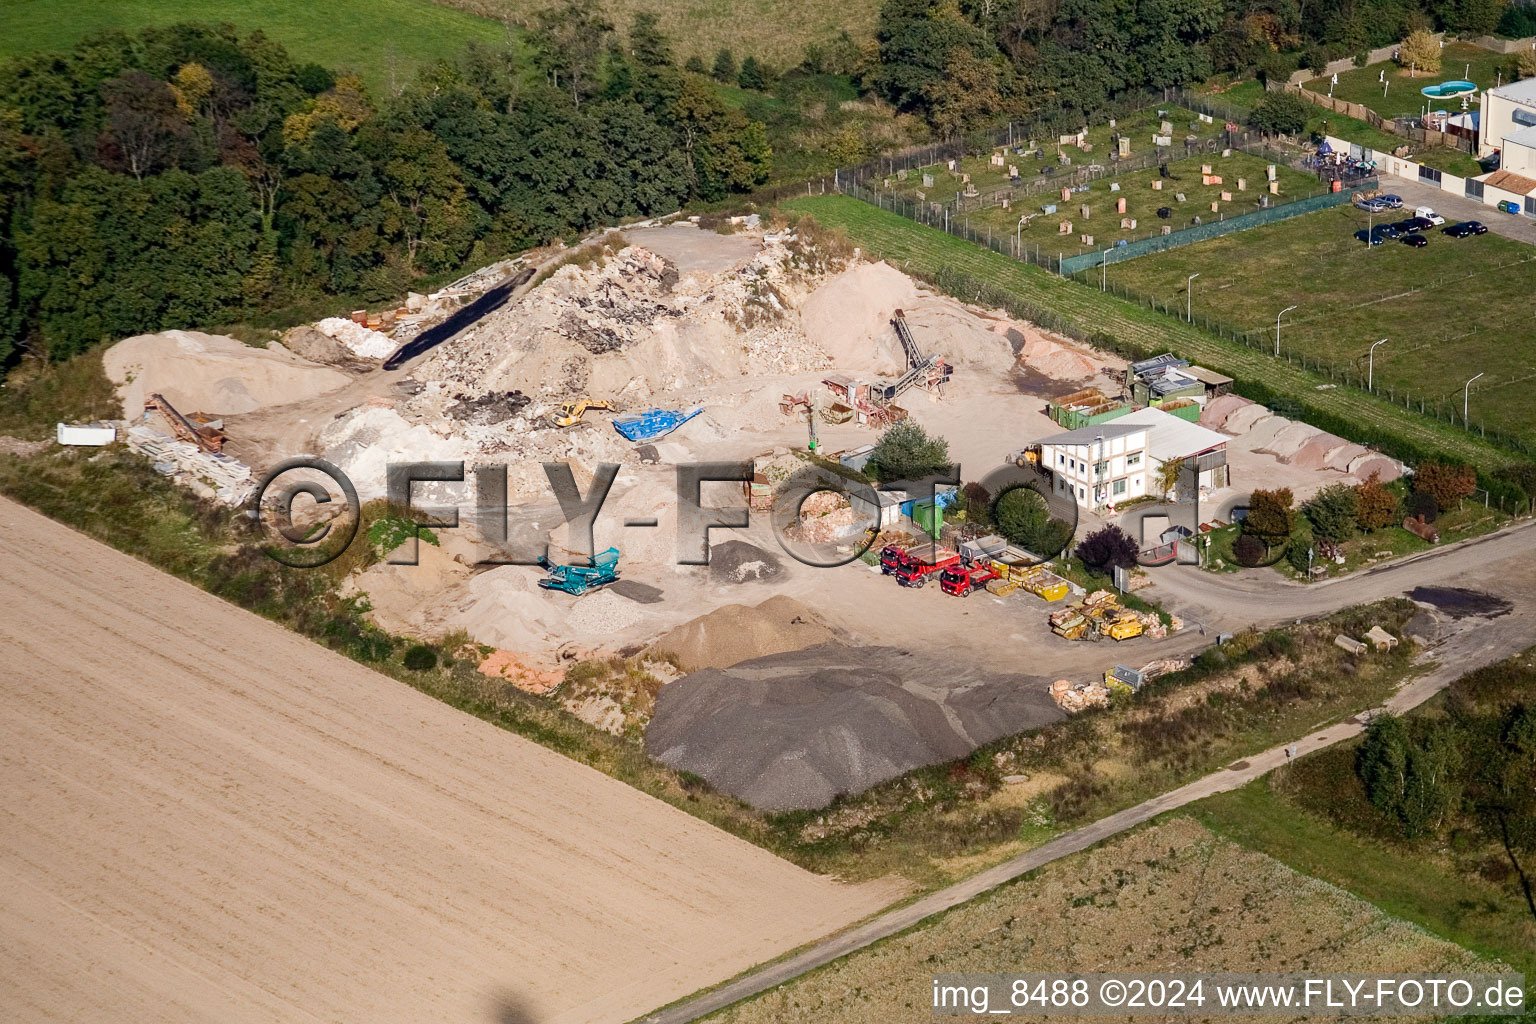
[
  {"x": 204, "y": 817},
  {"x": 1503, "y": 564}
]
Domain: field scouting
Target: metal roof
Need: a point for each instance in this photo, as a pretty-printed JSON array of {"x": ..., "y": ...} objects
[
  {"x": 1092, "y": 432},
  {"x": 1523, "y": 91},
  {"x": 1163, "y": 361},
  {"x": 1170, "y": 437},
  {"x": 1524, "y": 137}
]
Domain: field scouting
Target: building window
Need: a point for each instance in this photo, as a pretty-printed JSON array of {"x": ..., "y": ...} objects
[
  {"x": 1061, "y": 460},
  {"x": 1526, "y": 118},
  {"x": 1119, "y": 486},
  {"x": 1101, "y": 468},
  {"x": 1132, "y": 460},
  {"x": 1072, "y": 465},
  {"x": 1081, "y": 493}
]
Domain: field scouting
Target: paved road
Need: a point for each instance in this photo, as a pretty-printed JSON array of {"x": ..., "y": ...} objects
[{"x": 1503, "y": 564}]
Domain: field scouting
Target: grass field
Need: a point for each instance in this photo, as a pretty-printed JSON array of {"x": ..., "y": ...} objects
[
  {"x": 1401, "y": 881},
  {"x": 1403, "y": 98},
  {"x": 773, "y": 30},
  {"x": 1242, "y": 178},
  {"x": 383, "y": 40},
  {"x": 1171, "y": 898},
  {"x": 1453, "y": 309},
  {"x": 887, "y": 236}
]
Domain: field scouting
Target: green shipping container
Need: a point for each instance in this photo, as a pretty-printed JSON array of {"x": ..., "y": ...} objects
[{"x": 929, "y": 517}]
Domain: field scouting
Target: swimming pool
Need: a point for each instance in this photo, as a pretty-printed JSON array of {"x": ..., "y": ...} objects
[{"x": 1447, "y": 90}]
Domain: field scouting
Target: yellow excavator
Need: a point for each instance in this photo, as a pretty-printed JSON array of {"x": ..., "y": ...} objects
[{"x": 570, "y": 413}]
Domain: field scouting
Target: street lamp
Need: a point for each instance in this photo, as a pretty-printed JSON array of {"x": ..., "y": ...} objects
[
  {"x": 1466, "y": 398},
  {"x": 1189, "y": 300},
  {"x": 1278, "y": 315},
  {"x": 1019, "y": 231},
  {"x": 1370, "y": 366}
]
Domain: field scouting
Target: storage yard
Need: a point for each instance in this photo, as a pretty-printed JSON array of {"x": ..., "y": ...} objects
[{"x": 673, "y": 344}]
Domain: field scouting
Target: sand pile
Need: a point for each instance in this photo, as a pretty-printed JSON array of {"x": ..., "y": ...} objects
[
  {"x": 795, "y": 730},
  {"x": 360, "y": 340},
  {"x": 364, "y": 441},
  {"x": 736, "y": 632},
  {"x": 211, "y": 373},
  {"x": 1055, "y": 359},
  {"x": 849, "y": 317},
  {"x": 307, "y": 343},
  {"x": 1241, "y": 420},
  {"x": 1216, "y": 411}
]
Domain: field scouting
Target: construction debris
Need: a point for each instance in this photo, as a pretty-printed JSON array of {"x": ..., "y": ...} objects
[
  {"x": 358, "y": 339},
  {"x": 1074, "y": 697},
  {"x": 220, "y": 477}
]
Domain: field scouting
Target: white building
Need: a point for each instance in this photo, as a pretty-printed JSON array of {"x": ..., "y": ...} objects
[
  {"x": 1506, "y": 110},
  {"x": 1169, "y": 437},
  {"x": 1098, "y": 465}
]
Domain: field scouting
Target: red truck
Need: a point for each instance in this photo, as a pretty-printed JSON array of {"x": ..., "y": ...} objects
[
  {"x": 959, "y": 582},
  {"x": 892, "y": 558},
  {"x": 914, "y": 572}
]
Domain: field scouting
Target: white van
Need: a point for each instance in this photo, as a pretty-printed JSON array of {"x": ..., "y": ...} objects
[{"x": 1429, "y": 214}]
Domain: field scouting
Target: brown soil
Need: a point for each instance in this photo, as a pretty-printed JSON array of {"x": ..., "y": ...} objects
[{"x": 208, "y": 818}]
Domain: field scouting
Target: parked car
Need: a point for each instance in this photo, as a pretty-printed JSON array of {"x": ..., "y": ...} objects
[
  {"x": 1376, "y": 205},
  {"x": 1412, "y": 224},
  {"x": 1428, "y": 213},
  {"x": 1368, "y": 237},
  {"x": 1416, "y": 240},
  {"x": 1386, "y": 230},
  {"x": 1465, "y": 229},
  {"x": 1393, "y": 202}
]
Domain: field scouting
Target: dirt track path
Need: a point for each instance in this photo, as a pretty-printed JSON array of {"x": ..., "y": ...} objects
[
  {"x": 1503, "y": 564},
  {"x": 204, "y": 817}
]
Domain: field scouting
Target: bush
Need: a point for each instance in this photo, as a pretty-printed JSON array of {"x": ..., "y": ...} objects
[
  {"x": 1301, "y": 542},
  {"x": 906, "y": 452},
  {"x": 1280, "y": 113},
  {"x": 1420, "y": 51},
  {"x": 1021, "y": 515},
  {"x": 1270, "y": 515},
  {"x": 1376, "y": 506},
  {"x": 1333, "y": 512},
  {"x": 1107, "y": 548},
  {"x": 1315, "y": 59},
  {"x": 1448, "y": 483},
  {"x": 420, "y": 658},
  {"x": 1249, "y": 550},
  {"x": 977, "y": 502},
  {"x": 1423, "y": 505}
]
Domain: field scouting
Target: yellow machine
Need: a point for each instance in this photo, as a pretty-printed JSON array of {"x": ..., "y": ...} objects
[{"x": 570, "y": 413}]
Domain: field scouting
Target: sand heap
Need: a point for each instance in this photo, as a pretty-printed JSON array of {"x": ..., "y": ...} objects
[
  {"x": 849, "y": 317},
  {"x": 736, "y": 632},
  {"x": 211, "y": 373}
]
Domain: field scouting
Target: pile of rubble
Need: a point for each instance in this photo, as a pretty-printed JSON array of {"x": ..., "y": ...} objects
[
  {"x": 826, "y": 518},
  {"x": 359, "y": 340},
  {"x": 1074, "y": 697},
  {"x": 629, "y": 328},
  {"x": 224, "y": 479}
]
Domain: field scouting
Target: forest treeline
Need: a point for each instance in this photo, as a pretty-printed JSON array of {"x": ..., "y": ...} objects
[{"x": 189, "y": 176}]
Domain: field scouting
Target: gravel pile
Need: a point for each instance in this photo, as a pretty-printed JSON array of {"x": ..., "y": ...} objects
[
  {"x": 796, "y": 730},
  {"x": 737, "y": 561}
]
